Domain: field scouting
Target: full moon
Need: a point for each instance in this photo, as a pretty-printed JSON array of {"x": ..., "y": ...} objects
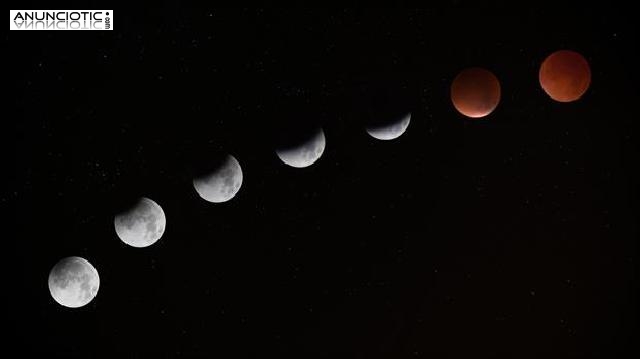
[
  {"x": 142, "y": 225},
  {"x": 73, "y": 282},
  {"x": 565, "y": 75},
  {"x": 222, "y": 184},
  {"x": 390, "y": 131},
  {"x": 475, "y": 92},
  {"x": 305, "y": 154}
]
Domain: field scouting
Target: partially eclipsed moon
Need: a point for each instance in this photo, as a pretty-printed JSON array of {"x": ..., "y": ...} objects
[
  {"x": 73, "y": 282},
  {"x": 475, "y": 92},
  {"x": 142, "y": 225},
  {"x": 305, "y": 154},
  {"x": 222, "y": 184},
  {"x": 390, "y": 131},
  {"x": 565, "y": 76}
]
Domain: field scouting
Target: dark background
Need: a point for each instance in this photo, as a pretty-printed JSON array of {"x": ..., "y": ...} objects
[{"x": 509, "y": 236}]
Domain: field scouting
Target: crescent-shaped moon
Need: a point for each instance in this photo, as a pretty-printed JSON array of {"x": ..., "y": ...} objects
[
  {"x": 390, "y": 131},
  {"x": 305, "y": 154}
]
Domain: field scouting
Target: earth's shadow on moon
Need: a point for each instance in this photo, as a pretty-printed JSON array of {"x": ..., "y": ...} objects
[
  {"x": 382, "y": 103},
  {"x": 204, "y": 160}
]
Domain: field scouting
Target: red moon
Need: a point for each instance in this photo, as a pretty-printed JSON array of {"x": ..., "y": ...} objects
[
  {"x": 475, "y": 92},
  {"x": 565, "y": 75}
]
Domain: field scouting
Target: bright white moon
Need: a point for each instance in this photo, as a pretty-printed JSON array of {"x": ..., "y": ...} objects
[
  {"x": 390, "y": 131},
  {"x": 222, "y": 184},
  {"x": 73, "y": 282},
  {"x": 305, "y": 154},
  {"x": 142, "y": 225}
]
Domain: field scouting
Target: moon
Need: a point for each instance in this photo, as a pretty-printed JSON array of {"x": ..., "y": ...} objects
[
  {"x": 222, "y": 184},
  {"x": 475, "y": 92},
  {"x": 73, "y": 282},
  {"x": 390, "y": 131},
  {"x": 565, "y": 75},
  {"x": 305, "y": 154},
  {"x": 142, "y": 225}
]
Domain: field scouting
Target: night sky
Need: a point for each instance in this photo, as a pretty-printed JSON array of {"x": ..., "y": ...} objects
[{"x": 513, "y": 235}]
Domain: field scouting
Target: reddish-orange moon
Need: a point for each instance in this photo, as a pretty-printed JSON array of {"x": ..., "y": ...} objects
[
  {"x": 565, "y": 75},
  {"x": 475, "y": 92}
]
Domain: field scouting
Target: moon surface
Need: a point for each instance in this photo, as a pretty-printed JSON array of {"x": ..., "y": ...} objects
[
  {"x": 73, "y": 282},
  {"x": 475, "y": 92},
  {"x": 222, "y": 184},
  {"x": 142, "y": 225},
  {"x": 305, "y": 154},
  {"x": 565, "y": 75},
  {"x": 390, "y": 131}
]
